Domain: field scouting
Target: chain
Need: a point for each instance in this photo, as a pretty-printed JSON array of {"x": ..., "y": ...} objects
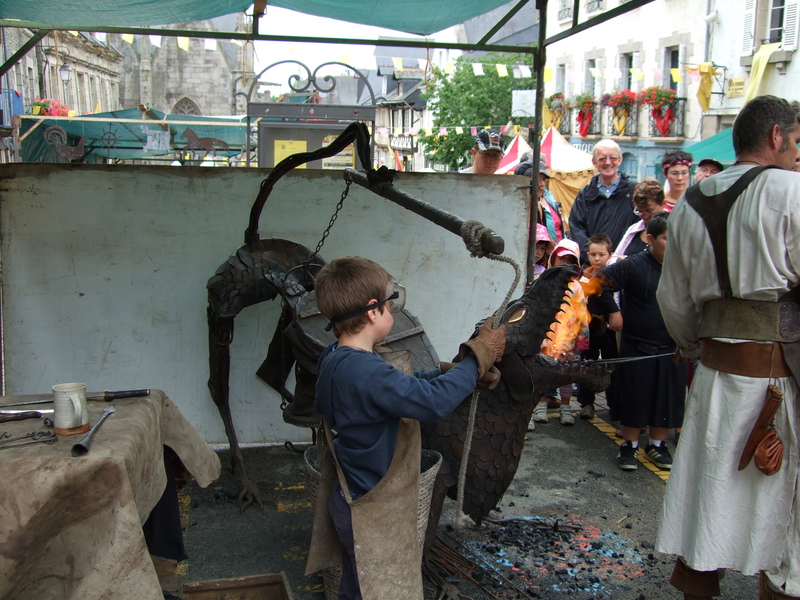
[{"x": 334, "y": 216}]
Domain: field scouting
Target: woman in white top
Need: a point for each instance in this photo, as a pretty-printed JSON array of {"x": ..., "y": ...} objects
[{"x": 648, "y": 199}]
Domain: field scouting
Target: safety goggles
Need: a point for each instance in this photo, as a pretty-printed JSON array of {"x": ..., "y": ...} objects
[{"x": 396, "y": 297}]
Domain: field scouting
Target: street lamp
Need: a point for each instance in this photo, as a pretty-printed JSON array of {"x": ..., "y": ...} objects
[{"x": 65, "y": 73}]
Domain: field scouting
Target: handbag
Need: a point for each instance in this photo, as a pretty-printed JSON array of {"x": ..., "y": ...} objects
[{"x": 768, "y": 456}]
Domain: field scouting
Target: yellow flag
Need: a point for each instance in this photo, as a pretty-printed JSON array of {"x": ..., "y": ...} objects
[
  {"x": 398, "y": 63},
  {"x": 676, "y": 75},
  {"x": 183, "y": 43},
  {"x": 449, "y": 68},
  {"x": 548, "y": 74},
  {"x": 502, "y": 70},
  {"x": 704, "y": 91},
  {"x": 97, "y": 107},
  {"x": 459, "y": 130},
  {"x": 760, "y": 60},
  {"x": 127, "y": 37}
]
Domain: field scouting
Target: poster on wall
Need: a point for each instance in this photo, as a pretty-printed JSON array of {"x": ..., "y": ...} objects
[
  {"x": 285, "y": 148},
  {"x": 345, "y": 158}
]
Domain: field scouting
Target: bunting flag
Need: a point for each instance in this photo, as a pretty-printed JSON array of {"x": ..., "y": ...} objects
[
  {"x": 548, "y": 74},
  {"x": 398, "y": 63},
  {"x": 429, "y": 131},
  {"x": 210, "y": 44},
  {"x": 502, "y": 70},
  {"x": 449, "y": 68},
  {"x": 595, "y": 72},
  {"x": 344, "y": 58},
  {"x": 155, "y": 40},
  {"x": 442, "y": 130},
  {"x": 524, "y": 70},
  {"x": 237, "y": 42},
  {"x": 637, "y": 74},
  {"x": 127, "y": 37},
  {"x": 398, "y": 131},
  {"x": 183, "y": 43},
  {"x": 97, "y": 107},
  {"x": 459, "y": 130},
  {"x": 473, "y": 130},
  {"x": 676, "y": 75},
  {"x": 383, "y": 131},
  {"x": 414, "y": 130},
  {"x": 477, "y": 68}
]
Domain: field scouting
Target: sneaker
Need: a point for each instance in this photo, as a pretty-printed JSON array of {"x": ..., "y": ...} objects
[
  {"x": 626, "y": 459},
  {"x": 531, "y": 425},
  {"x": 587, "y": 412},
  {"x": 566, "y": 415},
  {"x": 540, "y": 413},
  {"x": 659, "y": 455}
]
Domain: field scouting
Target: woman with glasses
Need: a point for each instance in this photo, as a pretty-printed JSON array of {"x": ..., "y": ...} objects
[
  {"x": 648, "y": 199},
  {"x": 677, "y": 167}
]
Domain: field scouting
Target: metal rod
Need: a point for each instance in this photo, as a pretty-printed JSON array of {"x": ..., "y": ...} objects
[
  {"x": 490, "y": 241},
  {"x": 609, "y": 14},
  {"x": 82, "y": 447}
]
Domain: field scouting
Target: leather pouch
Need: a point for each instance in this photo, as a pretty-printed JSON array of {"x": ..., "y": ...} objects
[{"x": 768, "y": 456}]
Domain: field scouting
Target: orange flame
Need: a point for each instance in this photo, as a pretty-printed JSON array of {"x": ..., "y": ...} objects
[{"x": 560, "y": 340}]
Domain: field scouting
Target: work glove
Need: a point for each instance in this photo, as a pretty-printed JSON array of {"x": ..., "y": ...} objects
[
  {"x": 489, "y": 380},
  {"x": 487, "y": 348}
]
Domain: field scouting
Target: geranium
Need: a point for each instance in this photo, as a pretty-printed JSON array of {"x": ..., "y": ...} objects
[
  {"x": 658, "y": 97},
  {"x": 557, "y": 102},
  {"x": 584, "y": 101},
  {"x": 51, "y": 107},
  {"x": 626, "y": 99}
]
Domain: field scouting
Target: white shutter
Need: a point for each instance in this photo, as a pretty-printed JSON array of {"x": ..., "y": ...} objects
[
  {"x": 748, "y": 32},
  {"x": 790, "y": 16}
]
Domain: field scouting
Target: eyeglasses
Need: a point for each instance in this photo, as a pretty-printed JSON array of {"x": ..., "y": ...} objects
[
  {"x": 647, "y": 213},
  {"x": 396, "y": 300},
  {"x": 678, "y": 173},
  {"x": 492, "y": 155},
  {"x": 604, "y": 159}
]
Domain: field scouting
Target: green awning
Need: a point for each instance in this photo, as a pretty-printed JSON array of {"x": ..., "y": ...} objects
[
  {"x": 126, "y": 135},
  {"x": 83, "y": 15},
  {"x": 718, "y": 146},
  {"x": 421, "y": 17}
]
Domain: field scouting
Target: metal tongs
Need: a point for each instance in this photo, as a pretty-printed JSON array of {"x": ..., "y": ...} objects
[
  {"x": 82, "y": 447},
  {"x": 34, "y": 437}
]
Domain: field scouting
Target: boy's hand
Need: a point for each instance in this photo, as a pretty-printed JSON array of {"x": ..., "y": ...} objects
[
  {"x": 496, "y": 338},
  {"x": 615, "y": 321}
]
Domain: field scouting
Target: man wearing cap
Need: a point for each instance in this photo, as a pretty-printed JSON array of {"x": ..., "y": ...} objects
[
  {"x": 486, "y": 153},
  {"x": 604, "y": 205},
  {"x": 706, "y": 168}
]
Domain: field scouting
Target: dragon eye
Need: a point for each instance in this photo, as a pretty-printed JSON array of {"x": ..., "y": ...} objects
[{"x": 514, "y": 314}]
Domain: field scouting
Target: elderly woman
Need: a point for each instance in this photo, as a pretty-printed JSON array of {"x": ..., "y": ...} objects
[
  {"x": 677, "y": 166},
  {"x": 648, "y": 199},
  {"x": 549, "y": 209}
]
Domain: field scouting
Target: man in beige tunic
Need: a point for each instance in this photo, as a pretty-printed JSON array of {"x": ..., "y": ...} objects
[{"x": 715, "y": 516}]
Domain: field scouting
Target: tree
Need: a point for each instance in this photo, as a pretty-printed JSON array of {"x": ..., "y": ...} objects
[{"x": 464, "y": 99}]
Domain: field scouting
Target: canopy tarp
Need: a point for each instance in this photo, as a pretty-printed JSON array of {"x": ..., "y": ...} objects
[
  {"x": 421, "y": 17},
  {"x": 718, "y": 146},
  {"x": 516, "y": 149},
  {"x": 129, "y": 134},
  {"x": 570, "y": 168}
]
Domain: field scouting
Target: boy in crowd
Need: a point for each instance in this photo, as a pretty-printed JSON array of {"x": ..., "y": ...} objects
[
  {"x": 602, "y": 338},
  {"x": 372, "y": 496}
]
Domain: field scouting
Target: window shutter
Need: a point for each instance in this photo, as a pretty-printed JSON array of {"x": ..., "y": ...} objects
[
  {"x": 790, "y": 16},
  {"x": 748, "y": 33}
]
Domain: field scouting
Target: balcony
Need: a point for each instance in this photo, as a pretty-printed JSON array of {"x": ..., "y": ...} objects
[
  {"x": 623, "y": 125},
  {"x": 594, "y": 127},
  {"x": 561, "y": 120},
  {"x": 666, "y": 124},
  {"x": 565, "y": 14},
  {"x": 594, "y": 6}
]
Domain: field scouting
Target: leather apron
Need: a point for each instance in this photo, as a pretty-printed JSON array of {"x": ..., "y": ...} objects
[{"x": 387, "y": 550}]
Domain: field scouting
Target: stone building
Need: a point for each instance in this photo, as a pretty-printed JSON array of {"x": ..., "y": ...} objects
[{"x": 194, "y": 76}]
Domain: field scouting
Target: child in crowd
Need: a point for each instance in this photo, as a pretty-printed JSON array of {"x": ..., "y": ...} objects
[
  {"x": 372, "y": 407},
  {"x": 602, "y": 340},
  {"x": 544, "y": 247},
  {"x": 569, "y": 333},
  {"x": 647, "y": 393}
]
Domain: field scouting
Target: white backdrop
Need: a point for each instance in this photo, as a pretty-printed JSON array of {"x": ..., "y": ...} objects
[{"x": 104, "y": 272}]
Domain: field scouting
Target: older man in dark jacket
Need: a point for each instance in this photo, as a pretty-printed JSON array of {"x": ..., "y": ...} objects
[{"x": 604, "y": 205}]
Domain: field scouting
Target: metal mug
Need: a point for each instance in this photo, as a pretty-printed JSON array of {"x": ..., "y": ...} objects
[{"x": 71, "y": 415}]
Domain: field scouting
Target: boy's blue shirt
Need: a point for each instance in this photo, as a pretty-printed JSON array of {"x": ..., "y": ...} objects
[{"x": 363, "y": 398}]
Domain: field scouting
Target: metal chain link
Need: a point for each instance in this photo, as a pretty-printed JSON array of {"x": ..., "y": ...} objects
[{"x": 334, "y": 216}]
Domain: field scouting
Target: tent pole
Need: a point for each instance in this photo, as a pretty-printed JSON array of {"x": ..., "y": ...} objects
[{"x": 536, "y": 139}]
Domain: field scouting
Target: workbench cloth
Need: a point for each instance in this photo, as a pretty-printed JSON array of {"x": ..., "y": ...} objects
[{"x": 72, "y": 527}]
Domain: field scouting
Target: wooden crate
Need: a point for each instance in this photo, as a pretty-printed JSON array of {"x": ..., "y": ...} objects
[{"x": 274, "y": 586}]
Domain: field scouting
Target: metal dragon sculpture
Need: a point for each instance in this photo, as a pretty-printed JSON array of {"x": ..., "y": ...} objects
[{"x": 263, "y": 269}]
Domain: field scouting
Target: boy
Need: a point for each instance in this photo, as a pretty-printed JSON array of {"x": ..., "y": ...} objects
[
  {"x": 602, "y": 339},
  {"x": 371, "y": 405},
  {"x": 570, "y": 331}
]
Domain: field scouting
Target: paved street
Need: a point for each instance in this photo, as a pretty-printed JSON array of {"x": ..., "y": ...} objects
[{"x": 572, "y": 525}]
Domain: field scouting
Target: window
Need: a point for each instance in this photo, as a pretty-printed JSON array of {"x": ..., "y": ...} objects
[
  {"x": 561, "y": 78},
  {"x": 625, "y": 66},
  {"x": 186, "y": 107},
  {"x": 564, "y": 10},
  {"x": 588, "y": 78},
  {"x": 594, "y": 5},
  {"x": 769, "y": 22},
  {"x": 671, "y": 61}
]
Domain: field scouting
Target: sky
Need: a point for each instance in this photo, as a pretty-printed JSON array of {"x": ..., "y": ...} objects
[{"x": 280, "y": 21}]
